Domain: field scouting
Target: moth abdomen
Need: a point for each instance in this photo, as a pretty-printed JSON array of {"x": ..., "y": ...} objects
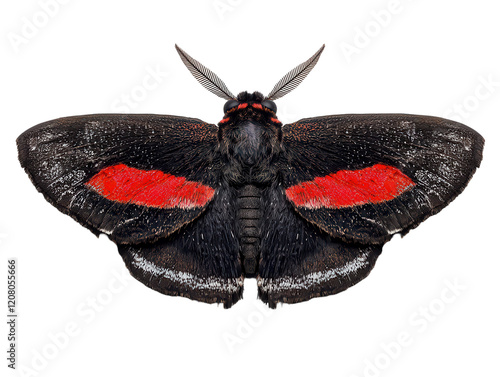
[{"x": 249, "y": 218}]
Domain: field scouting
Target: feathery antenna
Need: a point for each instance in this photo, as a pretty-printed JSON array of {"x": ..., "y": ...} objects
[
  {"x": 205, "y": 76},
  {"x": 293, "y": 78}
]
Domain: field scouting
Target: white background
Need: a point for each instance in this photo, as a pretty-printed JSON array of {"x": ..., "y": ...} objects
[{"x": 427, "y": 57}]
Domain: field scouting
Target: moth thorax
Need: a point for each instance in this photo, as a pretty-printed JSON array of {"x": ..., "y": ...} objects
[{"x": 249, "y": 143}]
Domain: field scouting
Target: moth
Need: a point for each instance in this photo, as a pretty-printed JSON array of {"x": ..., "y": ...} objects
[{"x": 195, "y": 208}]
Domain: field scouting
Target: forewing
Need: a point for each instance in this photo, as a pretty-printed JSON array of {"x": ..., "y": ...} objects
[
  {"x": 134, "y": 177},
  {"x": 363, "y": 178}
]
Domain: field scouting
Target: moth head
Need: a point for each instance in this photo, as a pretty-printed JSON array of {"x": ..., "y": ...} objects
[
  {"x": 214, "y": 84},
  {"x": 250, "y": 106},
  {"x": 249, "y": 99}
]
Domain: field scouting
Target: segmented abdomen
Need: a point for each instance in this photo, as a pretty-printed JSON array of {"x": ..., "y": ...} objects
[{"x": 248, "y": 217}]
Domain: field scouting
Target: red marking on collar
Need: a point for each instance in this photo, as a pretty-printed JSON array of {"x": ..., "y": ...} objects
[
  {"x": 242, "y": 106},
  {"x": 150, "y": 188},
  {"x": 347, "y": 188},
  {"x": 257, "y": 106},
  {"x": 275, "y": 120},
  {"x": 225, "y": 120}
]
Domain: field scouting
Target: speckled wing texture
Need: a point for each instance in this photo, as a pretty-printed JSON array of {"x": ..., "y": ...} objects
[
  {"x": 64, "y": 155},
  {"x": 438, "y": 155},
  {"x": 93, "y": 168},
  {"x": 430, "y": 159}
]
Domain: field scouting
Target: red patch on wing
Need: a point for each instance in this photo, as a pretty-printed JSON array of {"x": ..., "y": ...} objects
[
  {"x": 275, "y": 120},
  {"x": 224, "y": 120},
  {"x": 242, "y": 106},
  {"x": 151, "y": 188},
  {"x": 257, "y": 106},
  {"x": 347, "y": 188}
]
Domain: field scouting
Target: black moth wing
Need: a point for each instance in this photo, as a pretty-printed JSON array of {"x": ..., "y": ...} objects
[
  {"x": 439, "y": 155},
  {"x": 299, "y": 261},
  {"x": 311, "y": 252},
  {"x": 201, "y": 261},
  {"x": 62, "y": 155},
  {"x": 188, "y": 252}
]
